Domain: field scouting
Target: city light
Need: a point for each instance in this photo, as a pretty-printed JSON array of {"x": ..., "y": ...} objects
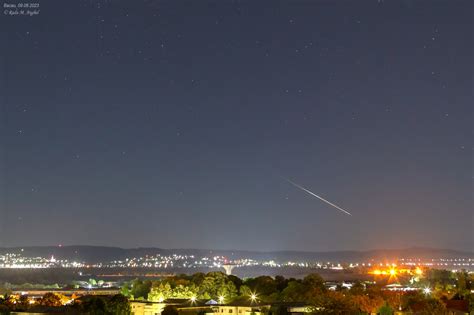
[
  {"x": 412, "y": 266},
  {"x": 427, "y": 291}
]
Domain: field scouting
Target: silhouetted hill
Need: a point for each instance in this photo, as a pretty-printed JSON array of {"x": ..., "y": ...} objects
[{"x": 93, "y": 254}]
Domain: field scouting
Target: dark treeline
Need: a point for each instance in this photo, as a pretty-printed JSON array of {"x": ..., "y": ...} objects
[
  {"x": 436, "y": 289},
  {"x": 55, "y": 303},
  {"x": 361, "y": 297}
]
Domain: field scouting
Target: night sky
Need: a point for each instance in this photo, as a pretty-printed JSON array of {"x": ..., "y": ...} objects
[{"x": 176, "y": 124}]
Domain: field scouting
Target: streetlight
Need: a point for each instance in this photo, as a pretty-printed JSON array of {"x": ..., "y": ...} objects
[
  {"x": 253, "y": 297},
  {"x": 221, "y": 299},
  {"x": 426, "y": 290}
]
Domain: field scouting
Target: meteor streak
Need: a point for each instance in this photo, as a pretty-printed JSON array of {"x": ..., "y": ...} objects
[{"x": 320, "y": 198}]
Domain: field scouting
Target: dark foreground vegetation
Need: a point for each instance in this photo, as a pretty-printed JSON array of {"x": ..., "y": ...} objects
[
  {"x": 434, "y": 292},
  {"x": 55, "y": 303}
]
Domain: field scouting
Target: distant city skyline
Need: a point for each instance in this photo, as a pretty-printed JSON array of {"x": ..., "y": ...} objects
[{"x": 173, "y": 124}]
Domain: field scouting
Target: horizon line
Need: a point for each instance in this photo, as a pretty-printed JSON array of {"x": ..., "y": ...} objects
[{"x": 244, "y": 250}]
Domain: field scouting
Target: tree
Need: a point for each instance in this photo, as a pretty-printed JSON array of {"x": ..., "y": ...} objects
[
  {"x": 420, "y": 304},
  {"x": 294, "y": 292},
  {"x": 4, "y": 309},
  {"x": 470, "y": 298},
  {"x": 51, "y": 300},
  {"x": 264, "y": 285},
  {"x": 314, "y": 281},
  {"x": 385, "y": 310},
  {"x": 281, "y": 283},
  {"x": 119, "y": 305},
  {"x": 334, "y": 303},
  {"x": 160, "y": 293},
  {"x": 216, "y": 284},
  {"x": 357, "y": 288},
  {"x": 430, "y": 307},
  {"x": 23, "y": 302},
  {"x": 368, "y": 304},
  {"x": 236, "y": 281},
  {"x": 184, "y": 291},
  {"x": 245, "y": 291},
  {"x": 94, "y": 305},
  {"x": 140, "y": 289},
  {"x": 310, "y": 288},
  {"x": 462, "y": 283},
  {"x": 125, "y": 289},
  {"x": 198, "y": 278},
  {"x": 10, "y": 300}
]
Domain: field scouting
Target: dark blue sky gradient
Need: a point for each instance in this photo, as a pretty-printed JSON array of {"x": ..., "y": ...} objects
[{"x": 170, "y": 124}]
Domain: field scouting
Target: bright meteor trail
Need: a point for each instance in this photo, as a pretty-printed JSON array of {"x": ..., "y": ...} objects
[{"x": 320, "y": 198}]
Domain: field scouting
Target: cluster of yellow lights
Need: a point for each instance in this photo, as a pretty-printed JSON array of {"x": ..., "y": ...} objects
[{"x": 393, "y": 271}]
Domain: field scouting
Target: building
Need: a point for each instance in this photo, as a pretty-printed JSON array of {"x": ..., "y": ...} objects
[
  {"x": 146, "y": 307},
  {"x": 188, "y": 307},
  {"x": 240, "y": 308}
]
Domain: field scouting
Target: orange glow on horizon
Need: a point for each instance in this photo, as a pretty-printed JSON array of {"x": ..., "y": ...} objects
[{"x": 393, "y": 271}]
